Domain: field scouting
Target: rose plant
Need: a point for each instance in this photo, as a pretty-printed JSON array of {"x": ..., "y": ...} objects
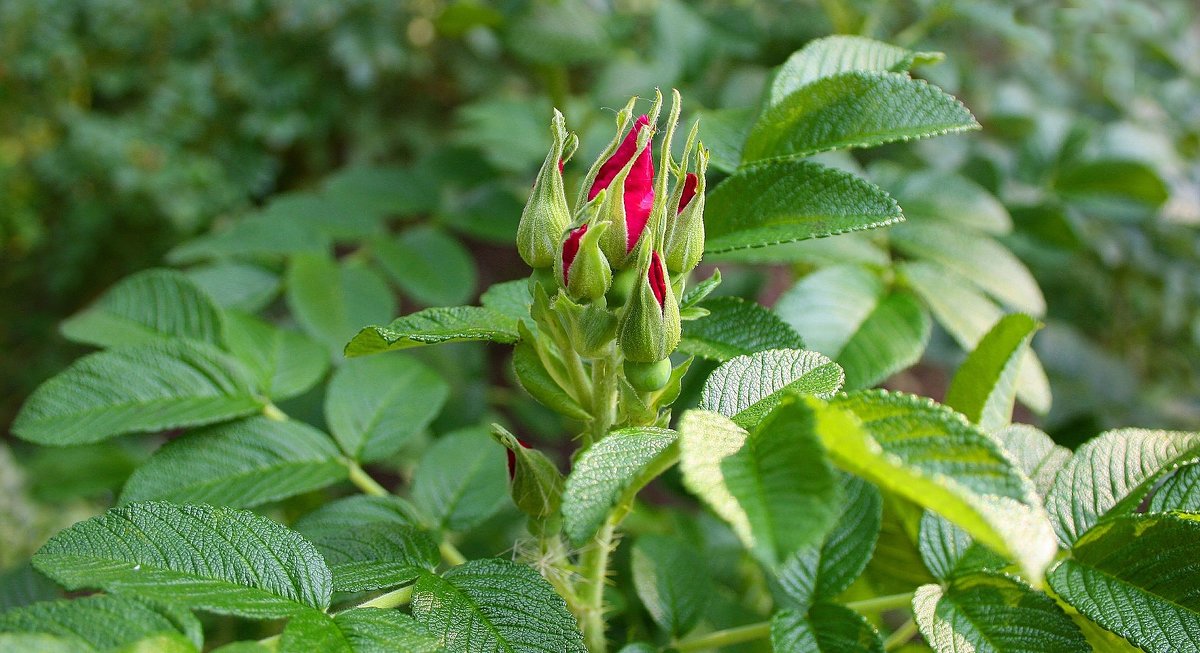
[{"x": 783, "y": 508}]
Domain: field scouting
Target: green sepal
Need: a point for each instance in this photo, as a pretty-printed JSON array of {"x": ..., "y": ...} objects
[
  {"x": 590, "y": 275},
  {"x": 649, "y": 332},
  {"x": 545, "y": 383},
  {"x": 591, "y": 327},
  {"x": 536, "y": 484},
  {"x": 546, "y": 214}
]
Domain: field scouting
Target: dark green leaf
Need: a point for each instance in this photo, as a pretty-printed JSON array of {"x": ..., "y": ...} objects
[
  {"x": 510, "y": 298},
  {"x": 785, "y": 201},
  {"x": 948, "y": 551},
  {"x": 1180, "y": 491},
  {"x": 748, "y": 387},
  {"x": 1136, "y": 576},
  {"x": 735, "y": 327},
  {"x": 495, "y": 605},
  {"x": 22, "y": 585},
  {"x": 540, "y": 384},
  {"x": 433, "y": 326},
  {"x": 375, "y": 405},
  {"x": 216, "y": 559},
  {"x": 135, "y": 390},
  {"x": 359, "y": 630},
  {"x": 890, "y": 339},
  {"x": 1112, "y": 474},
  {"x": 286, "y": 363},
  {"x": 855, "y": 109},
  {"x": 994, "y": 613},
  {"x": 261, "y": 235},
  {"x": 774, "y": 484},
  {"x": 238, "y": 464},
  {"x": 725, "y": 132},
  {"x": 461, "y": 480},
  {"x": 239, "y": 286},
  {"x": 91, "y": 623},
  {"x": 429, "y": 265},
  {"x": 609, "y": 473},
  {"x": 672, "y": 581},
  {"x": 828, "y": 56},
  {"x": 825, "y": 569},
  {"x": 826, "y": 628},
  {"x": 984, "y": 387},
  {"x": 147, "y": 307},
  {"x": 332, "y": 301}
]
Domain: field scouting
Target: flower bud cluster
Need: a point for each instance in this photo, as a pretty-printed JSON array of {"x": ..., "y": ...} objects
[{"x": 627, "y": 226}]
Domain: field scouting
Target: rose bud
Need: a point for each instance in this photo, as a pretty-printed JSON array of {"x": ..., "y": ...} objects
[{"x": 546, "y": 214}]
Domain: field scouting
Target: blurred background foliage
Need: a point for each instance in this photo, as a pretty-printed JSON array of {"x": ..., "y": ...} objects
[{"x": 328, "y": 165}]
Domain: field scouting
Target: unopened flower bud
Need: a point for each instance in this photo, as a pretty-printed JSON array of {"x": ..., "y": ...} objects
[
  {"x": 649, "y": 329},
  {"x": 536, "y": 484},
  {"x": 546, "y": 215},
  {"x": 685, "y": 240},
  {"x": 628, "y": 176},
  {"x": 584, "y": 270}
]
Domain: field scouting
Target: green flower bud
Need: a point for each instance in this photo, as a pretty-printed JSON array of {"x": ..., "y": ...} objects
[
  {"x": 535, "y": 482},
  {"x": 648, "y": 377},
  {"x": 649, "y": 329},
  {"x": 622, "y": 287},
  {"x": 581, "y": 266},
  {"x": 685, "y": 239},
  {"x": 546, "y": 215}
]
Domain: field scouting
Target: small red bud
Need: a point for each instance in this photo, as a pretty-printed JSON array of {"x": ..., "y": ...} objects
[
  {"x": 689, "y": 191},
  {"x": 571, "y": 248},
  {"x": 658, "y": 279}
]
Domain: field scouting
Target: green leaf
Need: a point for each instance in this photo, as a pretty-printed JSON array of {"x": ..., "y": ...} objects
[
  {"x": 428, "y": 264},
  {"x": 538, "y": 382},
  {"x": 286, "y": 363},
  {"x": 238, "y": 464},
  {"x": 495, "y": 605},
  {"x": 829, "y": 306},
  {"x": 748, "y": 387},
  {"x": 382, "y": 191},
  {"x": 510, "y": 298},
  {"x": 774, "y": 484},
  {"x": 1180, "y": 491},
  {"x": 948, "y": 551},
  {"x": 725, "y": 132},
  {"x": 994, "y": 613},
  {"x": 609, "y": 473},
  {"x": 984, "y": 387},
  {"x": 40, "y": 643},
  {"x": 948, "y": 198},
  {"x": 98, "y": 622},
  {"x": 1113, "y": 180},
  {"x": 968, "y": 315},
  {"x": 823, "y": 570},
  {"x": 557, "y": 34},
  {"x": 826, "y": 628},
  {"x": 359, "y": 630},
  {"x": 254, "y": 236},
  {"x": 136, "y": 390},
  {"x": 977, "y": 258},
  {"x": 217, "y": 559},
  {"x": 932, "y": 456},
  {"x": 890, "y": 339},
  {"x": 1135, "y": 575},
  {"x": 672, "y": 581},
  {"x": 147, "y": 307},
  {"x": 369, "y": 542},
  {"x": 831, "y": 55},
  {"x": 698, "y": 292},
  {"x": 22, "y": 585},
  {"x": 332, "y": 301},
  {"x": 735, "y": 327},
  {"x": 239, "y": 286},
  {"x": 785, "y": 201},
  {"x": 855, "y": 109},
  {"x": 1035, "y": 454},
  {"x": 434, "y": 326},
  {"x": 375, "y": 405},
  {"x": 1112, "y": 474},
  {"x": 461, "y": 480}
]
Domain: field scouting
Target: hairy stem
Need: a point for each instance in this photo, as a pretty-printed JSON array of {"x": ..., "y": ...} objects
[
  {"x": 727, "y": 637},
  {"x": 604, "y": 396},
  {"x": 901, "y": 636},
  {"x": 451, "y": 554},
  {"x": 595, "y": 573},
  {"x": 880, "y": 603},
  {"x": 363, "y": 481}
]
